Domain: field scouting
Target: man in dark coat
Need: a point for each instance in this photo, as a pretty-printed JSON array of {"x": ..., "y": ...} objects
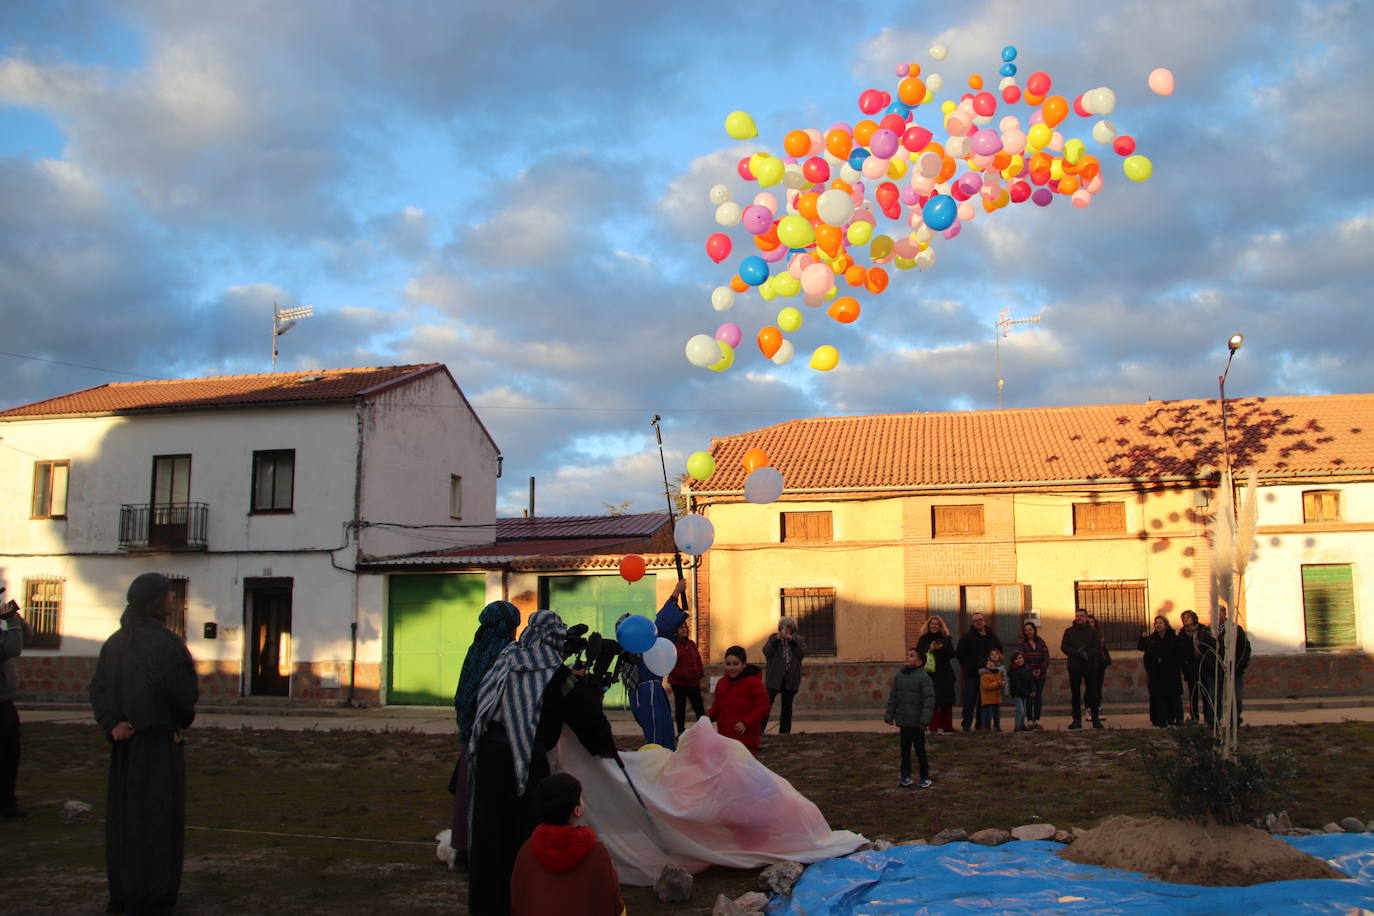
[
  {"x": 13, "y": 632},
  {"x": 1082, "y": 646},
  {"x": 1242, "y": 661},
  {"x": 973, "y": 650},
  {"x": 1194, "y": 645},
  {"x": 144, "y": 693}
]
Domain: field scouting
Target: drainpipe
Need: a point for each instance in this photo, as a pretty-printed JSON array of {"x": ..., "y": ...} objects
[
  {"x": 357, "y": 544},
  {"x": 531, "y": 515},
  {"x": 353, "y": 662}
]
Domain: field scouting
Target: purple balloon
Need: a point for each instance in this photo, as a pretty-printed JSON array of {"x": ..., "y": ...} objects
[
  {"x": 883, "y": 143},
  {"x": 986, "y": 142},
  {"x": 756, "y": 219},
  {"x": 777, "y": 254},
  {"x": 730, "y": 332},
  {"x": 910, "y": 195},
  {"x": 971, "y": 183},
  {"x": 1042, "y": 197},
  {"x": 949, "y": 233}
]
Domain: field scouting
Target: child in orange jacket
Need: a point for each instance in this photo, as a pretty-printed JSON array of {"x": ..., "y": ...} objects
[
  {"x": 740, "y": 704},
  {"x": 992, "y": 681}
]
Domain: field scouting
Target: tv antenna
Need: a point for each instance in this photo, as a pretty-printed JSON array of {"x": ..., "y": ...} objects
[
  {"x": 284, "y": 320},
  {"x": 1002, "y": 328}
]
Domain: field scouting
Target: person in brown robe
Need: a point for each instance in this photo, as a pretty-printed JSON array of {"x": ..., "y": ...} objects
[{"x": 143, "y": 694}]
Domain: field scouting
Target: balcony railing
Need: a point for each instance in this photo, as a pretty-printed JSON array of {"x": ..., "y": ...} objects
[{"x": 174, "y": 526}]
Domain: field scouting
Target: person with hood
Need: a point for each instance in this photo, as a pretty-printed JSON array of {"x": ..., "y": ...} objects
[
  {"x": 648, "y": 699},
  {"x": 783, "y": 651},
  {"x": 1193, "y": 646},
  {"x": 496, "y": 627},
  {"x": 910, "y": 704},
  {"x": 524, "y": 701},
  {"x": 13, "y": 629},
  {"x": 936, "y": 646},
  {"x": 740, "y": 703},
  {"x": 685, "y": 678},
  {"x": 563, "y": 868},
  {"x": 1082, "y": 646},
  {"x": 973, "y": 650},
  {"x": 143, "y": 695},
  {"x": 1161, "y": 674}
]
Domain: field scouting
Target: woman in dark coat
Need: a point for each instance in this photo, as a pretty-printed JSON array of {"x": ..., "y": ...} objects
[
  {"x": 1193, "y": 646},
  {"x": 1038, "y": 661},
  {"x": 938, "y": 647},
  {"x": 784, "y": 651},
  {"x": 1162, "y": 674}
]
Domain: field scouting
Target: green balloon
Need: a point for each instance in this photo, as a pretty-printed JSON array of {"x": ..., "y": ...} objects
[{"x": 700, "y": 465}]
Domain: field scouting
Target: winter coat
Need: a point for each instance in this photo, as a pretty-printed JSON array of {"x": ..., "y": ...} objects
[
  {"x": 943, "y": 677},
  {"x": 779, "y": 675},
  {"x": 1082, "y": 646},
  {"x": 1161, "y": 658},
  {"x": 564, "y": 870},
  {"x": 1242, "y": 648},
  {"x": 1193, "y": 651},
  {"x": 1037, "y": 657},
  {"x": 740, "y": 699},
  {"x": 974, "y": 649},
  {"x": 12, "y": 632},
  {"x": 688, "y": 670},
  {"x": 911, "y": 701},
  {"x": 1021, "y": 681},
  {"x": 991, "y": 682}
]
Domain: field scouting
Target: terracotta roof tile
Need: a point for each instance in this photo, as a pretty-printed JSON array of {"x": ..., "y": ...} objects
[
  {"x": 223, "y": 391},
  {"x": 1157, "y": 439}
]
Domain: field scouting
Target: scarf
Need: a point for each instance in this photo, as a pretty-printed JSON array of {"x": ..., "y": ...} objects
[
  {"x": 786, "y": 653},
  {"x": 513, "y": 690},
  {"x": 497, "y": 621}
]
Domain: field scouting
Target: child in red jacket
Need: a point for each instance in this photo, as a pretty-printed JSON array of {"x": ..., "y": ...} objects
[
  {"x": 741, "y": 704},
  {"x": 562, "y": 868},
  {"x": 685, "y": 678}
]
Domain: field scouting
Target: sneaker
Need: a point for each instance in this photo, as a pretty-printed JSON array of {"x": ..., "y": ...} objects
[
  {"x": 1075, "y": 724},
  {"x": 925, "y": 783},
  {"x": 904, "y": 783}
]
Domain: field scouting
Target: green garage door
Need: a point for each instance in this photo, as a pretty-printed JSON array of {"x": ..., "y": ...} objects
[
  {"x": 598, "y": 601},
  {"x": 430, "y": 623}
]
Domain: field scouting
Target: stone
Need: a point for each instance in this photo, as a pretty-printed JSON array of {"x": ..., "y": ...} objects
[
  {"x": 74, "y": 812},
  {"x": 1078, "y": 832},
  {"x": 949, "y": 835},
  {"x": 1063, "y": 836},
  {"x": 1352, "y": 825},
  {"x": 673, "y": 885},
  {"x": 1302, "y": 831},
  {"x": 1033, "y": 832},
  {"x": 1277, "y": 823},
  {"x": 752, "y": 902},
  {"x": 913, "y": 843},
  {"x": 779, "y": 879},
  {"x": 1369, "y": 827},
  {"x": 882, "y": 843},
  {"x": 990, "y": 836},
  {"x": 726, "y": 907},
  {"x": 1332, "y": 828}
]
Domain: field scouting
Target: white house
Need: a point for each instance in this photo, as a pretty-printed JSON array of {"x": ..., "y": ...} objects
[{"x": 259, "y": 495}]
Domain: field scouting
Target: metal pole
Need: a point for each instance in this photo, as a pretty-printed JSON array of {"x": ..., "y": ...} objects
[
  {"x": 276, "y": 317},
  {"x": 997, "y": 347},
  {"x": 668, "y": 497}
]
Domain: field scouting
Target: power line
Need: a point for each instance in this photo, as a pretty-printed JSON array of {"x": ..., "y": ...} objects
[{"x": 58, "y": 362}]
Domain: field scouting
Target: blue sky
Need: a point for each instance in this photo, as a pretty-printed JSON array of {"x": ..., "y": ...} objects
[{"x": 520, "y": 191}]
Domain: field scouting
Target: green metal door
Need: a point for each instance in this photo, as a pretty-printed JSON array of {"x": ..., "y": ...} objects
[
  {"x": 1328, "y": 604},
  {"x": 598, "y": 601},
  {"x": 430, "y": 623}
]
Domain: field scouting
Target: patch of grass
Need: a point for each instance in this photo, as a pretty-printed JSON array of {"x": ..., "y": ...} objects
[{"x": 390, "y": 786}]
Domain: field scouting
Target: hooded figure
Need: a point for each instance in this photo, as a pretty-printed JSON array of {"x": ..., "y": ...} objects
[
  {"x": 525, "y": 699},
  {"x": 648, "y": 700},
  {"x": 143, "y": 694},
  {"x": 740, "y": 702}
]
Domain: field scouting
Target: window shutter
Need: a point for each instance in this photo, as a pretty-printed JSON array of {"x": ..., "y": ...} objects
[
  {"x": 1328, "y": 603},
  {"x": 943, "y": 601},
  {"x": 1009, "y": 608}
]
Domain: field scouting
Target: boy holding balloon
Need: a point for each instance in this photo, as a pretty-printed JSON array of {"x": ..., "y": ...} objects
[{"x": 652, "y": 642}]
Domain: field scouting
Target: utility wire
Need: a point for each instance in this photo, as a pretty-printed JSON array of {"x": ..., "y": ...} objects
[{"x": 58, "y": 362}]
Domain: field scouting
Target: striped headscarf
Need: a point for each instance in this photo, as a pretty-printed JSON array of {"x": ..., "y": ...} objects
[
  {"x": 497, "y": 623},
  {"x": 513, "y": 690}
]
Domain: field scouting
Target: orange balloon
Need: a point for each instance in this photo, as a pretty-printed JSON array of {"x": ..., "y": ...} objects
[
  {"x": 975, "y": 81},
  {"x": 839, "y": 143},
  {"x": 797, "y": 143},
  {"x": 828, "y": 238},
  {"x": 856, "y": 275},
  {"x": 1068, "y": 184},
  {"x": 913, "y": 69},
  {"x": 1089, "y": 169},
  {"x": 988, "y": 205},
  {"x": 754, "y": 459},
  {"x": 767, "y": 241},
  {"x": 1031, "y": 99},
  {"x": 1040, "y": 162},
  {"x": 840, "y": 184},
  {"x": 936, "y": 147},
  {"x": 632, "y": 567},
  {"x": 842, "y": 263},
  {"x": 738, "y": 284},
  {"x": 844, "y": 309},
  {"x": 1001, "y": 161},
  {"x": 1055, "y": 110},
  {"x": 770, "y": 338},
  {"x": 864, "y": 131},
  {"x": 806, "y": 205},
  {"x": 877, "y": 280},
  {"x": 947, "y": 168},
  {"x": 911, "y": 91}
]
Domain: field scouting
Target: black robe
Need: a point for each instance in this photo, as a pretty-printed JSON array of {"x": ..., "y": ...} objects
[
  {"x": 502, "y": 820},
  {"x": 145, "y": 677},
  {"x": 943, "y": 678}
]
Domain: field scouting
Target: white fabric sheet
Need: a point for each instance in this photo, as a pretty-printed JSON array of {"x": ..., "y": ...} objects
[{"x": 709, "y": 803}]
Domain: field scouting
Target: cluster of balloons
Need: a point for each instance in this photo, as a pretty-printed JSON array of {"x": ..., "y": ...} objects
[
  {"x": 637, "y": 634},
  {"x": 819, "y": 231},
  {"x": 762, "y": 485}
]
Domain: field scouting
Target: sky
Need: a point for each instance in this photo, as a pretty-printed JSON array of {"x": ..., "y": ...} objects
[{"x": 520, "y": 191}]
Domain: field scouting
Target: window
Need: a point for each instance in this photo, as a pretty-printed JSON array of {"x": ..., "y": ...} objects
[
  {"x": 1004, "y": 607},
  {"x": 176, "y": 621},
  {"x": 274, "y": 477},
  {"x": 814, "y": 611},
  {"x": 455, "y": 496},
  {"x": 806, "y": 526},
  {"x": 50, "y": 489},
  {"x": 1099, "y": 518},
  {"x": 956, "y": 521},
  {"x": 1321, "y": 506},
  {"x": 1328, "y": 607},
  {"x": 43, "y": 612},
  {"x": 1119, "y": 608}
]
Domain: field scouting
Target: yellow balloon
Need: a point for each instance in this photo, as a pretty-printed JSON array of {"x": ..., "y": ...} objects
[
  {"x": 881, "y": 247},
  {"x": 796, "y": 231},
  {"x": 831, "y": 293},
  {"x": 727, "y": 358},
  {"x": 1137, "y": 168},
  {"x": 1018, "y": 162},
  {"x": 1073, "y": 151},
  {"x": 784, "y": 284},
  {"x": 930, "y": 95},
  {"x": 859, "y": 233},
  {"x": 767, "y": 292},
  {"x": 1056, "y": 169},
  {"x": 740, "y": 125},
  {"x": 896, "y": 169},
  {"x": 904, "y": 263},
  {"x": 824, "y": 359},
  {"x": 1039, "y": 136},
  {"x": 769, "y": 171},
  {"x": 947, "y": 106},
  {"x": 789, "y": 319}
]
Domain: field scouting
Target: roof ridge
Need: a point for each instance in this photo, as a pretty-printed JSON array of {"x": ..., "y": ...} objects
[{"x": 258, "y": 375}]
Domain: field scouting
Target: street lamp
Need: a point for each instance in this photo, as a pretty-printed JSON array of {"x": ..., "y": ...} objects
[
  {"x": 284, "y": 320},
  {"x": 1232, "y": 345}
]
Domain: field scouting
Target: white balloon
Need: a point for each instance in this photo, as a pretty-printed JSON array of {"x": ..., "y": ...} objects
[
  {"x": 849, "y": 174},
  {"x": 792, "y": 176},
  {"x": 784, "y": 354},
  {"x": 719, "y": 194},
  {"x": 1104, "y": 132},
  {"x": 661, "y": 657},
  {"x": 729, "y": 213},
  {"x": 693, "y": 534},
  {"x": 722, "y": 297},
  {"x": 1103, "y": 100},
  {"x": 835, "y": 207},
  {"x": 1005, "y": 82},
  {"x": 763, "y": 485},
  {"x": 934, "y": 83},
  {"x": 956, "y": 148},
  {"x": 702, "y": 350},
  {"x": 925, "y": 259},
  {"x": 939, "y": 52}
]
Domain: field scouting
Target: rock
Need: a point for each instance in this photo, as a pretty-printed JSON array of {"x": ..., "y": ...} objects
[
  {"x": 673, "y": 885},
  {"x": 991, "y": 836},
  {"x": 913, "y": 843},
  {"x": 1078, "y": 832},
  {"x": 1277, "y": 823},
  {"x": 1352, "y": 825},
  {"x": 881, "y": 843},
  {"x": 949, "y": 835},
  {"x": 74, "y": 812},
  {"x": 1063, "y": 836},
  {"x": 1302, "y": 831},
  {"x": 1332, "y": 828},
  {"x": 752, "y": 902},
  {"x": 1033, "y": 832},
  {"x": 779, "y": 879},
  {"x": 726, "y": 907},
  {"x": 1369, "y": 827}
]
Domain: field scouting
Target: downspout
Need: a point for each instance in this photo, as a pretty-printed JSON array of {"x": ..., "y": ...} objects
[{"x": 357, "y": 546}]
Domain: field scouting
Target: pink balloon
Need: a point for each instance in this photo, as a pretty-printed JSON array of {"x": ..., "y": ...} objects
[
  {"x": 730, "y": 333},
  {"x": 776, "y": 254},
  {"x": 767, "y": 201},
  {"x": 1161, "y": 81},
  {"x": 883, "y": 143},
  {"x": 756, "y": 219},
  {"x": 817, "y": 279},
  {"x": 986, "y": 142},
  {"x": 799, "y": 263},
  {"x": 814, "y": 301},
  {"x": 953, "y": 230}
]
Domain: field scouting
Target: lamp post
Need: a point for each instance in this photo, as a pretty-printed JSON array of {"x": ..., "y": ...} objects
[
  {"x": 284, "y": 320},
  {"x": 1227, "y": 564},
  {"x": 1232, "y": 345}
]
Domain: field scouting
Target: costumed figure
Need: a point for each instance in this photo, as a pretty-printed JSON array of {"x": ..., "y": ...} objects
[{"x": 648, "y": 699}]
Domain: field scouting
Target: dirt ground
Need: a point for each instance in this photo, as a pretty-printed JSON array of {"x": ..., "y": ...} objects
[{"x": 343, "y": 821}]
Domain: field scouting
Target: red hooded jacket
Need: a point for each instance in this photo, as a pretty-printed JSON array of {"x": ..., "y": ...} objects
[
  {"x": 742, "y": 699},
  {"x": 564, "y": 870}
]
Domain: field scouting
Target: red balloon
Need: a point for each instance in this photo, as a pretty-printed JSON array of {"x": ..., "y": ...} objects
[
  {"x": 1078, "y": 108},
  {"x": 893, "y": 122},
  {"x": 744, "y": 171},
  {"x": 718, "y": 246},
  {"x": 916, "y": 138},
  {"x": 1038, "y": 83},
  {"x": 815, "y": 170},
  {"x": 1020, "y": 191},
  {"x": 632, "y": 568},
  {"x": 886, "y": 194},
  {"x": 870, "y": 101},
  {"x": 1011, "y": 95},
  {"x": 985, "y": 104},
  {"x": 1124, "y": 145}
]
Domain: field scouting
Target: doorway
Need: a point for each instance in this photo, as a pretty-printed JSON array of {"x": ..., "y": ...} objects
[
  {"x": 168, "y": 515},
  {"x": 267, "y": 612}
]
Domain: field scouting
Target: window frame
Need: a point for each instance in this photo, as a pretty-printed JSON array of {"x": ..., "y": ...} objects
[
  {"x": 808, "y": 627},
  {"x": 1129, "y": 632},
  {"x": 258, "y": 456},
  {"x": 1355, "y": 644},
  {"x": 1335, "y": 499},
  {"x": 1095, "y": 510},
  {"x": 41, "y": 635},
  {"x": 181, "y": 586},
  {"x": 50, "y": 466},
  {"x": 804, "y": 537},
  {"x": 455, "y": 496},
  {"x": 936, "y": 511}
]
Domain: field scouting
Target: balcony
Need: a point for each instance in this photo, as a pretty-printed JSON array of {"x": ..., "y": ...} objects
[{"x": 175, "y": 526}]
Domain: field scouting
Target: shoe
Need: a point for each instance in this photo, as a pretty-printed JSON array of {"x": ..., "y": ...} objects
[
  {"x": 966, "y": 728},
  {"x": 1075, "y": 724},
  {"x": 948, "y": 731},
  {"x": 1021, "y": 728},
  {"x": 1097, "y": 723},
  {"x": 925, "y": 784},
  {"x": 904, "y": 783},
  {"x": 15, "y": 814}
]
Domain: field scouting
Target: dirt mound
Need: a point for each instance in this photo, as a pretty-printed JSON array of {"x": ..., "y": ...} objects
[{"x": 1187, "y": 853}]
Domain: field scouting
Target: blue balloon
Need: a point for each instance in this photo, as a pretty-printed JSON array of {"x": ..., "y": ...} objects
[
  {"x": 1008, "y": 70},
  {"x": 857, "y": 157},
  {"x": 1009, "y": 54},
  {"x": 753, "y": 270},
  {"x": 940, "y": 212},
  {"x": 636, "y": 634}
]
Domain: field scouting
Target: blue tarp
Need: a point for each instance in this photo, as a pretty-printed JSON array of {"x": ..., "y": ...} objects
[{"x": 1028, "y": 877}]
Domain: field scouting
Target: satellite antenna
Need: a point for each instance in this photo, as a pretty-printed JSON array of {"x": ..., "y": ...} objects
[
  {"x": 1001, "y": 328},
  {"x": 284, "y": 320}
]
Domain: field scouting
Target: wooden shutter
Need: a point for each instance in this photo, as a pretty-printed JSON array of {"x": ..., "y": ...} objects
[
  {"x": 1328, "y": 604},
  {"x": 956, "y": 520},
  {"x": 1321, "y": 506},
  {"x": 1008, "y": 610},
  {"x": 807, "y": 526},
  {"x": 1094, "y": 518}
]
